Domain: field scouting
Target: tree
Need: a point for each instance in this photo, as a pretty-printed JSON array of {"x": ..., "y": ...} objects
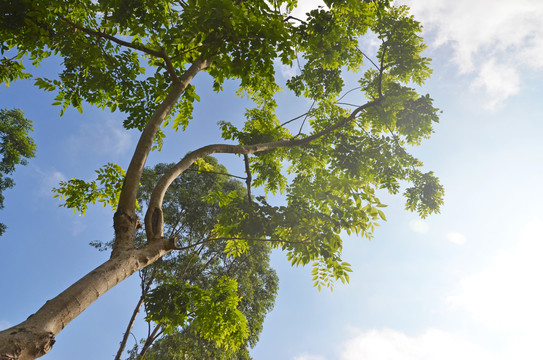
[
  {"x": 171, "y": 287},
  {"x": 16, "y": 147},
  {"x": 185, "y": 333},
  {"x": 140, "y": 57}
]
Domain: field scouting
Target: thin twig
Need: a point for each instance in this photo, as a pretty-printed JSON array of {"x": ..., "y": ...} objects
[
  {"x": 294, "y": 119},
  {"x": 118, "y": 41},
  {"x": 218, "y": 173},
  {"x": 100, "y": 34},
  {"x": 241, "y": 238},
  {"x": 305, "y": 118},
  {"x": 186, "y": 51},
  {"x": 294, "y": 18},
  {"x": 342, "y": 103},
  {"x": 367, "y": 57},
  {"x": 381, "y": 70},
  {"x": 348, "y": 92}
]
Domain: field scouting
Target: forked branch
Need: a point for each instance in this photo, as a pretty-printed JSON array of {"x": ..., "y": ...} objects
[
  {"x": 154, "y": 221},
  {"x": 127, "y": 199}
]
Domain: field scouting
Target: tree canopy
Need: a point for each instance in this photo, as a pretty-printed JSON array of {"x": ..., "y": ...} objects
[
  {"x": 327, "y": 164},
  {"x": 204, "y": 304},
  {"x": 16, "y": 147}
]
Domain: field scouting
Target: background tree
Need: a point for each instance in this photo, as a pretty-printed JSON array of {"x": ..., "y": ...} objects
[
  {"x": 140, "y": 57},
  {"x": 16, "y": 147},
  {"x": 167, "y": 284}
]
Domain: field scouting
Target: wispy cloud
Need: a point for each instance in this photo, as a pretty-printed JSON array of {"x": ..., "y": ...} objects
[
  {"x": 49, "y": 179},
  {"x": 456, "y": 238},
  {"x": 500, "y": 81},
  {"x": 104, "y": 136},
  {"x": 394, "y": 345},
  {"x": 287, "y": 72},
  {"x": 308, "y": 357},
  {"x": 306, "y": 6},
  {"x": 508, "y": 294},
  {"x": 493, "y": 39}
]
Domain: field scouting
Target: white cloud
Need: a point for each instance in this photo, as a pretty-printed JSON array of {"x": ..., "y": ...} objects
[
  {"x": 394, "y": 345},
  {"x": 300, "y": 12},
  {"x": 286, "y": 71},
  {"x": 487, "y": 37},
  {"x": 308, "y": 357},
  {"x": 500, "y": 81},
  {"x": 78, "y": 226},
  {"x": 419, "y": 226},
  {"x": 508, "y": 294},
  {"x": 456, "y": 238},
  {"x": 104, "y": 136},
  {"x": 305, "y": 6},
  {"x": 49, "y": 180}
]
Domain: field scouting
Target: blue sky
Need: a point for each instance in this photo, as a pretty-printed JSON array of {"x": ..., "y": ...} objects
[{"x": 462, "y": 284}]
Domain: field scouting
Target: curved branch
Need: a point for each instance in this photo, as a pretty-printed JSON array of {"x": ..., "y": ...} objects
[
  {"x": 217, "y": 173},
  {"x": 127, "y": 199},
  {"x": 154, "y": 220},
  {"x": 239, "y": 238}
]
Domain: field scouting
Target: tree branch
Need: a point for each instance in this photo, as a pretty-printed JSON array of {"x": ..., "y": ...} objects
[
  {"x": 151, "y": 339},
  {"x": 293, "y": 119},
  {"x": 169, "y": 65},
  {"x": 154, "y": 218},
  {"x": 118, "y": 41},
  {"x": 367, "y": 57},
  {"x": 144, "y": 290},
  {"x": 239, "y": 238},
  {"x": 102, "y": 35},
  {"x": 293, "y": 18},
  {"x": 218, "y": 173},
  {"x": 127, "y": 199},
  {"x": 131, "y": 324},
  {"x": 305, "y": 118}
]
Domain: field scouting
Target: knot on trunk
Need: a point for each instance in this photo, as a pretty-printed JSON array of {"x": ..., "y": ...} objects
[
  {"x": 125, "y": 225},
  {"x": 154, "y": 223},
  {"x": 24, "y": 343},
  {"x": 124, "y": 222}
]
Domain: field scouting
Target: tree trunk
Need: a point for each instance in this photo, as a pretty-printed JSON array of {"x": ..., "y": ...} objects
[{"x": 35, "y": 336}]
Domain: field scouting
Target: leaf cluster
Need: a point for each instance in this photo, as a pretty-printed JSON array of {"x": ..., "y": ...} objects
[
  {"x": 209, "y": 304},
  {"x": 16, "y": 147},
  {"x": 78, "y": 194}
]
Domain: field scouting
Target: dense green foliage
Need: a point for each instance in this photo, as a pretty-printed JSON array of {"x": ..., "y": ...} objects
[
  {"x": 205, "y": 304},
  {"x": 16, "y": 147},
  {"x": 348, "y": 155}
]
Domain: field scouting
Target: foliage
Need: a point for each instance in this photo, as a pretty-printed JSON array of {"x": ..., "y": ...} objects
[
  {"x": 77, "y": 194},
  {"x": 326, "y": 166},
  {"x": 335, "y": 176},
  {"x": 212, "y": 313},
  {"x": 16, "y": 147},
  {"x": 209, "y": 304}
]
